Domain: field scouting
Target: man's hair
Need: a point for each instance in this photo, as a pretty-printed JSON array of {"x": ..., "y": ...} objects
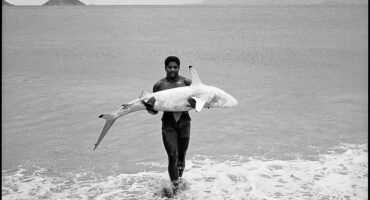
[{"x": 172, "y": 59}]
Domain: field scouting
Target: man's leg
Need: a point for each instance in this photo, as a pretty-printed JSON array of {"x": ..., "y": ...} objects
[
  {"x": 183, "y": 143},
  {"x": 169, "y": 136}
]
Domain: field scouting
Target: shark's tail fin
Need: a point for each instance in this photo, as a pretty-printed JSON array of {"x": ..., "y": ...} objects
[{"x": 110, "y": 120}]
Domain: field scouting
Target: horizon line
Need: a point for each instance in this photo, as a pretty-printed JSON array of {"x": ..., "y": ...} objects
[{"x": 201, "y": 4}]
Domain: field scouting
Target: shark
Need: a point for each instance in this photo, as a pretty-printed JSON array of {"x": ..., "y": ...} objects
[{"x": 174, "y": 100}]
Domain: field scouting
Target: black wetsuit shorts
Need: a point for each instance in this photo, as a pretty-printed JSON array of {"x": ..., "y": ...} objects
[{"x": 172, "y": 130}]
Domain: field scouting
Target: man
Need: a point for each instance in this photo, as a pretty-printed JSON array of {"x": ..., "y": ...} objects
[{"x": 175, "y": 125}]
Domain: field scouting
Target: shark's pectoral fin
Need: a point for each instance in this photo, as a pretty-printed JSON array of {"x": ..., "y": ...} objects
[{"x": 199, "y": 104}]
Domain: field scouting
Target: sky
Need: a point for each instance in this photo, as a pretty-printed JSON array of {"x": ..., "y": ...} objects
[{"x": 113, "y": 2}]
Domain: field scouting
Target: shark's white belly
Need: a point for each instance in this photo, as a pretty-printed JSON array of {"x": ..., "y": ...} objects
[{"x": 173, "y": 100}]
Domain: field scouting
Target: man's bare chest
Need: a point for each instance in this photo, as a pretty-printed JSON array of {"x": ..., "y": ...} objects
[{"x": 166, "y": 86}]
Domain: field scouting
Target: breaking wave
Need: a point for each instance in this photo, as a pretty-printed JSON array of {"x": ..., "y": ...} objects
[{"x": 340, "y": 174}]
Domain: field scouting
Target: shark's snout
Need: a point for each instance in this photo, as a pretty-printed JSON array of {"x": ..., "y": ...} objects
[{"x": 231, "y": 102}]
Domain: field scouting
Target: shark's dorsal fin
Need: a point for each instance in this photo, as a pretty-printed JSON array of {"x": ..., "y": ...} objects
[
  {"x": 195, "y": 80},
  {"x": 143, "y": 94}
]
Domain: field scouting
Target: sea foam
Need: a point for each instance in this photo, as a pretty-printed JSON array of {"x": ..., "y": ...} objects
[{"x": 340, "y": 174}]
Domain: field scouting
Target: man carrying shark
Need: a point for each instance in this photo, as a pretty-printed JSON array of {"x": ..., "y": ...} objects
[
  {"x": 175, "y": 96},
  {"x": 175, "y": 125}
]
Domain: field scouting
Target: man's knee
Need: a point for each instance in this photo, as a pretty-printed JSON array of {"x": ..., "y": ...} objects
[{"x": 173, "y": 155}]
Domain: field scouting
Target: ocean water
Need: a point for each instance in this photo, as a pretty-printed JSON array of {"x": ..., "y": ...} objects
[{"x": 299, "y": 73}]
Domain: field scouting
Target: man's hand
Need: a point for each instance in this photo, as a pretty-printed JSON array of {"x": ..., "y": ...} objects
[
  {"x": 191, "y": 102},
  {"x": 149, "y": 105}
]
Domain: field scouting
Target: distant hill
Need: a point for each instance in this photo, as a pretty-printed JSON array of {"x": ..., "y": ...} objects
[
  {"x": 63, "y": 3},
  {"x": 6, "y": 3}
]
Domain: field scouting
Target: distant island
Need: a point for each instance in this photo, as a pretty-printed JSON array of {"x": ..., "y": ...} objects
[
  {"x": 63, "y": 3},
  {"x": 7, "y": 4}
]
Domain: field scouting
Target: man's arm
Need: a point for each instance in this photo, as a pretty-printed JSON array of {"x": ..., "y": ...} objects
[
  {"x": 150, "y": 104},
  {"x": 187, "y": 82},
  {"x": 190, "y": 100},
  {"x": 157, "y": 86}
]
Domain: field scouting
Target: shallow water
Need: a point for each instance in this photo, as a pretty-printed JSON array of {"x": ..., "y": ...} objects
[
  {"x": 333, "y": 176},
  {"x": 299, "y": 74}
]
